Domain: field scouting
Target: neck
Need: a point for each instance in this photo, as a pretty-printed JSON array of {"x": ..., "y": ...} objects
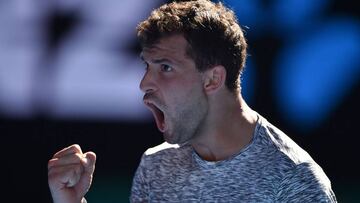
[{"x": 227, "y": 129}]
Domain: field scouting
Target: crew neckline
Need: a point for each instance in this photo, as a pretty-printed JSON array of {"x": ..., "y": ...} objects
[{"x": 214, "y": 164}]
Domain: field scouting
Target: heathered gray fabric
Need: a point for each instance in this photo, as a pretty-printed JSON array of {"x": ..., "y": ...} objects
[{"x": 272, "y": 168}]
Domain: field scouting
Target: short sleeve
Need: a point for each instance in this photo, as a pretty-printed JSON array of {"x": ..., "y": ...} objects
[
  {"x": 140, "y": 186},
  {"x": 305, "y": 183}
]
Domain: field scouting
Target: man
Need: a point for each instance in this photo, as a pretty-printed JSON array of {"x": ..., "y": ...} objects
[{"x": 217, "y": 149}]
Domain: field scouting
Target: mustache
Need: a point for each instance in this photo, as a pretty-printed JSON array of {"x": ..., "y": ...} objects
[
  {"x": 149, "y": 96},
  {"x": 152, "y": 98}
]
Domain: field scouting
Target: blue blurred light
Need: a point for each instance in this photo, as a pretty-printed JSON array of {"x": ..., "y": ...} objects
[
  {"x": 289, "y": 14},
  {"x": 249, "y": 13},
  {"x": 315, "y": 72}
]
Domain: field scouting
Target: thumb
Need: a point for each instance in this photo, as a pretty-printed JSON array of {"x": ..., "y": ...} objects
[{"x": 89, "y": 162}]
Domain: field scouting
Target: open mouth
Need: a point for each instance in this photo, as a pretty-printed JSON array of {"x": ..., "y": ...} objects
[{"x": 158, "y": 115}]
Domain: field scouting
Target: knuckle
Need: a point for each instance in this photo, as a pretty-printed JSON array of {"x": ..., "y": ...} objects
[
  {"x": 78, "y": 156},
  {"x": 76, "y": 147},
  {"x": 51, "y": 163}
]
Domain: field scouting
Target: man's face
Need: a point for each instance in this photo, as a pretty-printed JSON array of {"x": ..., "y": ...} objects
[{"x": 173, "y": 89}]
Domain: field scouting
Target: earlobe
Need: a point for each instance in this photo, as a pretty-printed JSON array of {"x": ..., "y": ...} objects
[{"x": 214, "y": 79}]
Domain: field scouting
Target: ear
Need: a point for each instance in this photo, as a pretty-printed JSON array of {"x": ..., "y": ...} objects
[{"x": 214, "y": 79}]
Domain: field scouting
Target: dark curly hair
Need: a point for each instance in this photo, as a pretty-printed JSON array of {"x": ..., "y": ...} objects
[{"x": 211, "y": 30}]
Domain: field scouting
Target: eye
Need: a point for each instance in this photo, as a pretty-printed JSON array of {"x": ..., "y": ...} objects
[{"x": 166, "y": 68}]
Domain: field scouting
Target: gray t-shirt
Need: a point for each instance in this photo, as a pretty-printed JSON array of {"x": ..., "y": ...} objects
[{"x": 272, "y": 168}]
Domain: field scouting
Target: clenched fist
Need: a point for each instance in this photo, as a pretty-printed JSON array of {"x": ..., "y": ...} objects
[{"x": 70, "y": 172}]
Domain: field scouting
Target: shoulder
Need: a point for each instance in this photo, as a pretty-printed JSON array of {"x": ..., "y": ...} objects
[
  {"x": 280, "y": 153},
  {"x": 159, "y": 161},
  {"x": 166, "y": 153},
  {"x": 281, "y": 144},
  {"x": 299, "y": 175},
  {"x": 306, "y": 181},
  {"x": 161, "y": 148}
]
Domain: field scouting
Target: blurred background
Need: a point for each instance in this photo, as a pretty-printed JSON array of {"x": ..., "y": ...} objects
[{"x": 70, "y": 71}]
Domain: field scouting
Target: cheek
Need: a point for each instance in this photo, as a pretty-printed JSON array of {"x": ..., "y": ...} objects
[
  {"x": 179, "y": 90},
  {"x": 184, "y": 91},
  {"x": 188, "y": 95}
]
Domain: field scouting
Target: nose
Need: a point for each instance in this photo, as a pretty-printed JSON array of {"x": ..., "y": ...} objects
[{"x": 147, "y": 84}]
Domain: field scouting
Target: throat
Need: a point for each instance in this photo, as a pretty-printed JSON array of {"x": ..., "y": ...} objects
[
  {"x": 221, "y": 145},
  {"x": 210, "y": 157},
  {"x": 211, "y": 154}
]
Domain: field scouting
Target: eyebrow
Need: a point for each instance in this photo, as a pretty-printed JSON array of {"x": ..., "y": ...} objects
[{"x": 157, "y": 61}]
